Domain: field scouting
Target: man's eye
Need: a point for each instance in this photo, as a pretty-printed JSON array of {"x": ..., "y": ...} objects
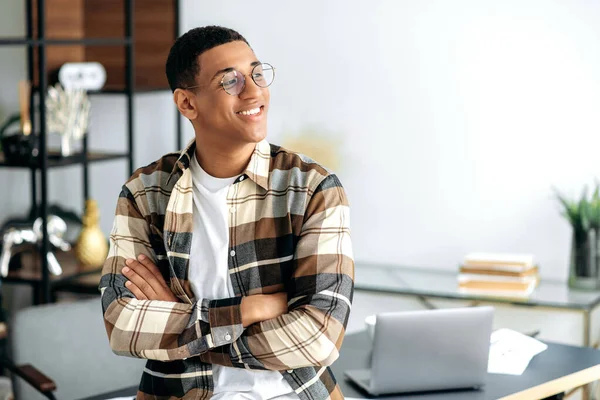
[{"x": 230, "y": 82}]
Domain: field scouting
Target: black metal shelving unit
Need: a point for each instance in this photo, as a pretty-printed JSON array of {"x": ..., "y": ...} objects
[
  {"x": 46, "y": 160},
  {"x": 178, "y": 138}
]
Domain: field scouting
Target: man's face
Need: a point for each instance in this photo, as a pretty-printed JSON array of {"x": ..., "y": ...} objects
[{"x": 229, "y": 118}]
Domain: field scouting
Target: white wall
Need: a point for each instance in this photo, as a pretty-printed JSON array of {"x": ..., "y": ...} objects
[{"x": 457, "y": 117}]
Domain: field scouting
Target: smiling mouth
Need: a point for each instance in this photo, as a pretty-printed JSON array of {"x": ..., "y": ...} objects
[{"x": 252, "y": 112}]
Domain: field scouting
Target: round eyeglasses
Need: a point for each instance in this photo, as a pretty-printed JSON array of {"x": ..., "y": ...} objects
[{"x": 234, "y": 82}]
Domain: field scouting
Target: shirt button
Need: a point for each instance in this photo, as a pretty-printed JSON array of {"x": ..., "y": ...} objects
[
  {"x": 232, "y": 209},
  {"x": 232, "y": 253},
  {"x": 290, "y": 371},
  {"x": 241, "y": 178},
  {"x": 227, "y": 336}
]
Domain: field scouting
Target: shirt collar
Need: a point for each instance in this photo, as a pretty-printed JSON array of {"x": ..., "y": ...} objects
[
  {"x": 257, "y": 169},
  {"x": 259, "y": 165}
]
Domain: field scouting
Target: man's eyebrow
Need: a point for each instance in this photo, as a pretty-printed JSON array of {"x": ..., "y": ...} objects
[
  {"x": 229, "y": 69},
  {"x": 222, "y": 71}
]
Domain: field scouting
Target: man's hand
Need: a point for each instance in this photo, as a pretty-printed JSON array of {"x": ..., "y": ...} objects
[
  {"x": 145, "y": 280},
  {"x": 261, "y": 307}
]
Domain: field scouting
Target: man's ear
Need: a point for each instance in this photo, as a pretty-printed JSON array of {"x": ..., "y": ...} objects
[{"x": 184, "y": 100}]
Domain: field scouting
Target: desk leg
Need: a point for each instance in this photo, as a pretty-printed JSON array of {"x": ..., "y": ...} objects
[
  {"x": 586, "y": 329},
  {"x": 587, "y": 389},
  {"x": 586, "y": 392}
]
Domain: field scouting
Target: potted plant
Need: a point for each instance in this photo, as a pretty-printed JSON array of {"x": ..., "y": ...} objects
[{"x": 584, "y": 217}]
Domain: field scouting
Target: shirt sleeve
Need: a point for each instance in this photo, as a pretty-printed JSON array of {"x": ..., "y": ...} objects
[
  {"x": 319, "y": 301},
  {"x": 151, "y": 329}
]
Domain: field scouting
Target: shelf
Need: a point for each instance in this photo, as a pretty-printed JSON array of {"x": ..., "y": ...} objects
[
  {"x": 85, "y": 283},
  {"x": 30, "y": 271},
  {"x": 65, "y": 42},
  {"x": 121, "y": 91},
  {"x": 56, "y": 160},
  {"x": 137, "y": 89}
]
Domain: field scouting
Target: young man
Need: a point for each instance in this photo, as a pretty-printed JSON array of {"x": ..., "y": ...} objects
[{"x": 230, "y": 266}]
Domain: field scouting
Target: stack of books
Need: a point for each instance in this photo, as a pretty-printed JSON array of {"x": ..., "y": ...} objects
[{"x": 498, "y": 274}]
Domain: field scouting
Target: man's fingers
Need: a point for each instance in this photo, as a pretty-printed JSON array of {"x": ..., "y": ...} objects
[
  {"x": 137, "y": 274},
  {"x": 148, "y": 280},
  {"x": 136, "y": 291},
  {"x": 144, "y": 260},
  {"x": 146, "y": 274}
]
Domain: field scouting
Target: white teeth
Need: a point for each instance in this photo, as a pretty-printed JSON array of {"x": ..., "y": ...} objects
[{"x": 250, "y": 112}]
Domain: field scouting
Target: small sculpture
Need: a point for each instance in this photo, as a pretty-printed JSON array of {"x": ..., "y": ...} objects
[
  {"x": 17, "y": 234},
  {"x": 19, "y": 145},
  {"x": 67, "y": 114},
  {"x": 92, "y": 247}
]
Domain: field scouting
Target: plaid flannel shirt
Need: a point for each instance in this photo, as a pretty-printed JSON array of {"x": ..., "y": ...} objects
[{"x": 289, "y": 231}]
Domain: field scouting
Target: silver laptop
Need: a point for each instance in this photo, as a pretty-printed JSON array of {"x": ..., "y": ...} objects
[{"x": 419, "y": 351}]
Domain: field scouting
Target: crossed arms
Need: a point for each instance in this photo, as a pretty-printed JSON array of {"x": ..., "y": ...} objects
[{"x": 304, "y": 327}]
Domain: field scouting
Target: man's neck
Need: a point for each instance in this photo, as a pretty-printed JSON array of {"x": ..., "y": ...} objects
[{"x": 224, "y": 163}]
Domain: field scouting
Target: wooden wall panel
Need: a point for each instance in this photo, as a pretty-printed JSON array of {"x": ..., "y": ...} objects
[
  {"x": 154, "y": 36},
  {"x": 64, "y": 20},
  {"x": 106, "y": 18},
  {"x": 154, "y": 30}
]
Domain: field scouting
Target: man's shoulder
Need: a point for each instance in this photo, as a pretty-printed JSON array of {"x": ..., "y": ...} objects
[
  {"x": 297, "y": 167},
  {"x": 156, "y": 174}
]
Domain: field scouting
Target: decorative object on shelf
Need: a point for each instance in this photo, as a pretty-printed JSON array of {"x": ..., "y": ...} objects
[
  {"x": 84, "y": 76},
  {"x": 18, "y": 149},
  {"x": 16, "y": 234},
  {"x": 25, "y": 112},
  {"x": 67, "y": 114},
  {"x": 92, "y": 247},
  {"x": 584, "y": 217},
  {"x": 72, "y": 219},
  {"x": 20, "y": 146}
]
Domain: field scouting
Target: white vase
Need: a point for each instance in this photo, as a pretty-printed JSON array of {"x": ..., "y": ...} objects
[{"x": 66, "y": 148}]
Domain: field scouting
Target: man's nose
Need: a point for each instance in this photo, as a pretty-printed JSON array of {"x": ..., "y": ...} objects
[{"x": 251, "y": 89}]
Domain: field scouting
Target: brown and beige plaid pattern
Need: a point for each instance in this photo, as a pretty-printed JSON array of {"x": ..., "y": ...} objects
[{"x": 289, "y": 231}]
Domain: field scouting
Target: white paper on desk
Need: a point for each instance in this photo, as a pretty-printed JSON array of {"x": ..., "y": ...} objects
[{"x": 511, "y": 352}]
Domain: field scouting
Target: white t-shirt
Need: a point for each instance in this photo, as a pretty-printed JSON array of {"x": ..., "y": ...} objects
[{"x": 209, "y": 278}]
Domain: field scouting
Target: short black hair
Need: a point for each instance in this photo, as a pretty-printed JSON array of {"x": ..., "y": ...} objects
[{"x": 182, "y": 62}]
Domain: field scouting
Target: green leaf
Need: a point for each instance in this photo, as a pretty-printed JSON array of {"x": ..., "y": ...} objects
[{"x": 576, "y": 212}]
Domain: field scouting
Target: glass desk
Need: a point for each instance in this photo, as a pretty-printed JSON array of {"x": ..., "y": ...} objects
[
  {"x": 424, "y": 283},
  {"x": 428, "y": 283}
]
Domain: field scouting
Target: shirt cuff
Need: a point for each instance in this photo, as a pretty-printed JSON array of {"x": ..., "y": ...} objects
[{"x": 225, "y": 320}]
